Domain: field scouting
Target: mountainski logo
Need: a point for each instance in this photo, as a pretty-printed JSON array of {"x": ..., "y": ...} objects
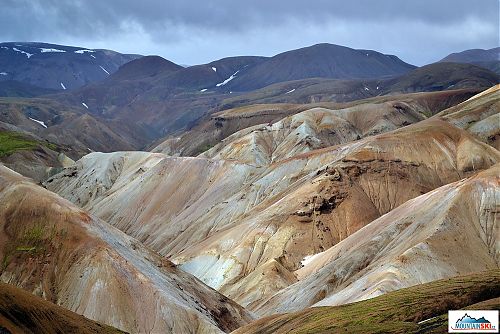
[{"x": 473, "y": 321}]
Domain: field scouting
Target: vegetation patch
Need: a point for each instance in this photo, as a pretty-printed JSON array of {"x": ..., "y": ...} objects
[{"x": 11, "y": 142}]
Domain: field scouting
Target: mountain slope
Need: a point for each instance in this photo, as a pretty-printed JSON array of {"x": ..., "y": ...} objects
[
  {"x": 479, "y": 116},
  {"x": 435, "y": 77},
  {"x": 144, "y": 67},
  {"x": 442, "y": 76},
  {"x": 57, "y": 66},
  {"x": 413, "y": 244},
  {"x": 214, "y": 128},
  {"x": 245, "y": 230},
  {"x": 419, "y": 309},
  {"x": 159, "y": 103},
  {"x": 321, "y": 127},
  {"x": 489, "y": 59},
  {"x": 57, "y": 251},
  {"x": 11, "y": 88},
  {"x": 473, "y": 56},
  {"x": 52, "y": 128},
  {"x": 318, "y": 61},
  {"x": 22, "y": 312}
]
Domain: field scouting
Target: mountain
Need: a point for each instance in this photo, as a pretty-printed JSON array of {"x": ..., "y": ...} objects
[
  {"x": 57, "y": 66},
  {"x": 144, "y": 67},
  {"x": 11, "y": 88},
  {"x": 22, "y": 312},
  {"x": 163, "y": 99},
  {"x": 209, "y": 77},
  {"x": 442, "y": 76},
  {"x": 39, "y": 134},
  {"x": 29, "y": 154},
  {"x": 247, "y": 229},
  {"x": 473, "y": 56},
  {"x": 489, "y": 59},
  {"x": 168, "y": 101},
  {"x": 216, "y": 127},
  {"x": 419, "y": 309},
  {"x": 421, "y": 233},
  {"x": 479, "y": 116},
  {"x": 153, "y": 97},
  {"x": 59, "y": 252},
  {"x": 319, "y": 127},
  {"x": 317, "y": 61}
]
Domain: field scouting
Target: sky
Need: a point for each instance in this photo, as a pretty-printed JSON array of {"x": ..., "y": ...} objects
[{"x": 192, "y": 32}]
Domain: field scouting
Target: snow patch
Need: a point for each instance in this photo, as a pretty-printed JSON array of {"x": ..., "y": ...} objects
[
  {"x": 366, "y": 88},
  {"x": 228, "y": 79},
  {"x": 214, "y": 69},
  {"x": 4, "y": 47},
  {"x": 102, "y": 68},
  {"x": 423, "y": 321},
  {"x": 309, "y": 258},
  {"x": 50, "y": 50},
  {"x": 24, "y": 52},
  {"x": 378, "y": 87},
  {"x": 85, "y": 105},
  {"x": 3, "y": 73},
  {"x": 290, "y": 91},
  {"x": 39, "y": 122},
  {"x": 83, "y": 51},
  {"x": 93, "y": 56},
  {"x": 203, "y": 90},
  {"x": 62, "y": 85}
]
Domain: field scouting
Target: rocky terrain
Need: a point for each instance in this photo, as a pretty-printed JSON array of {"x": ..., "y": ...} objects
[
  {"x": 150, "y": 102},
  {"x": 422, "y": 308},
  {"x": 249, "y": 194},
  {"x": 215, "y": 128},
  {"x": 59, "y": 252},
  {"x": 250, "y": 226}
]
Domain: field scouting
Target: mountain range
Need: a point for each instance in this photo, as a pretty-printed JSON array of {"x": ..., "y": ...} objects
[
  {"x": 321, "y": 189},
  {"x": 489, "y": 59},
  {"x": 57, "y": 66}
]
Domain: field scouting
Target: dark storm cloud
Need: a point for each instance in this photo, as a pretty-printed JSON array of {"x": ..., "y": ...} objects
[{"x": 193, "y": 31}]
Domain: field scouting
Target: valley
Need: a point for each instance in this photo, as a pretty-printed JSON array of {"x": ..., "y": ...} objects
[{"x": 320, "y": 189}]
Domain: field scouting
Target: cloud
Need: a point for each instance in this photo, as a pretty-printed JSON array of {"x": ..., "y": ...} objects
[{"x": 189, "y": 31}]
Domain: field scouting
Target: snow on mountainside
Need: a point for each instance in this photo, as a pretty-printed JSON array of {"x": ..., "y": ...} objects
[{"x": 57, "y": 66}]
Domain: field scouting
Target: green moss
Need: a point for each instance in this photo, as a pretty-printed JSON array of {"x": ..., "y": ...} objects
[
  {"x": 6, "y": 260},
  {"x": 34, "y": 234},
  {"x": 26, "y": 249},
  {"x": 11, "y": 142},
  {"x": 205, "y": 148}
]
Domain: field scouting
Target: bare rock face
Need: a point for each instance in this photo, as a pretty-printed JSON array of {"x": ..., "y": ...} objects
[
  {"x": 479, "y": 116},
  {"x": 375, "y": 115},
  {"x": 446, "y": 232},
  {"x": 59, "y": 252},
  {"x": 250, "y": 225},
  {"x": 224, "y": 221}
]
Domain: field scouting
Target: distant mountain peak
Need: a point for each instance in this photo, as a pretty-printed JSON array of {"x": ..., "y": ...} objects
[{"x": 60, "y": 67}]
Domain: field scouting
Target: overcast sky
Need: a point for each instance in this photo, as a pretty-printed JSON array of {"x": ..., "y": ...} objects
[{"x": 193, "y": 32}]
